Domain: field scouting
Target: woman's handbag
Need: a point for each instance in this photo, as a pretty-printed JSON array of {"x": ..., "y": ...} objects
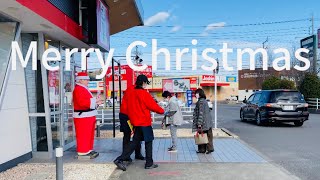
[{"x": 201, "y": 138}]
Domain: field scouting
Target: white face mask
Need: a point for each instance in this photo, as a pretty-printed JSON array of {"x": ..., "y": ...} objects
[
  {"x": 197, "y": 96},
  {"x": 144, "y": 86}
]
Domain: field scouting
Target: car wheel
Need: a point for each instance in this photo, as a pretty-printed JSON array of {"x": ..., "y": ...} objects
[
  {"x": 242, "y": 116},
  {"x": 298, "y": 123},
  {"x": 258, "y": 119}
]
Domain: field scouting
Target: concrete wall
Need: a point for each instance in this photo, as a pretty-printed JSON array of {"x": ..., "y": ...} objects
[
  {"x": 224, "y": 92},
  {"x": 15, "y": 139}
]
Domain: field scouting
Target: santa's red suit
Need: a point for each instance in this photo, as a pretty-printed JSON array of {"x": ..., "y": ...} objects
[{"x": 84, "y": 116}]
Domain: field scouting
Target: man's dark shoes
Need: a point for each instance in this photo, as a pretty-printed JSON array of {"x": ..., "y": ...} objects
[
  {"x": 129, "y": 160},
  {"x": 201, "y": 152},
  {"x": 120, "y": 165},
  {"x": 140, "y": 157},
  {"x": 152, "y": 166},
  {"x": 209, "y": 152}
]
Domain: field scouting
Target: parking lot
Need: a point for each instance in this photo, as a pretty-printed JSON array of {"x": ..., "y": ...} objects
[{"x": 294, "y": 148}]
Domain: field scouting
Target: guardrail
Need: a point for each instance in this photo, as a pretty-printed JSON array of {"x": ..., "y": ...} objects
[
  {"x": 105, "y": 116},
  {"x": 314, "y": 103}
]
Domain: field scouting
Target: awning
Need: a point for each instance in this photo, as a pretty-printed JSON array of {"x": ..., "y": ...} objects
[
  {"x": 205, "y": 84},
  {"x": 124, "y": 14},
  {"x": 155, "y": 90}
]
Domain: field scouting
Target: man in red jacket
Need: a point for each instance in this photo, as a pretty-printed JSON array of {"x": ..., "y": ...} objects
[
  {"x": 140, "y": 103},
  {"x": 124, "y": 127},
  {"x": 84, "y": 116}
]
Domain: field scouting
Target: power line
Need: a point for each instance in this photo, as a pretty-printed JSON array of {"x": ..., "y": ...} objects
[
  {"x": 232, "y": 32},
  {"x": 234, "y": 25}
]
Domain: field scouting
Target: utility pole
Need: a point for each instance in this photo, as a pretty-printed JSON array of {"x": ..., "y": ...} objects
[
  {"x": 215, "y": 72},
  {"x": 261, "y": 59},
  {"x": 315, "y": 53},
  {"x": 312, "y": 24}
]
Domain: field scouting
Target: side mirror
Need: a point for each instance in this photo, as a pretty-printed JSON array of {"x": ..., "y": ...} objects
[{"x": 245, "y": 101}]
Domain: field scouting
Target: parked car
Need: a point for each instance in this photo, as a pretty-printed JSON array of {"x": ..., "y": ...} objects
[
  {"x": 275, "y": 106},
  {"x": 210, "y": 104}
]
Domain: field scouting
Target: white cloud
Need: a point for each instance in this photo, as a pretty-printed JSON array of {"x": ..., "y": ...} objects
[
  {"x": 160, "y": 17},
  {"x": 211, "y": 27},
  {"x": 176, "y": 28}
]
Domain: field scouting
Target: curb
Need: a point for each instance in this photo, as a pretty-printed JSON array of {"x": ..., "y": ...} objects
[
  {"x": 314, "y": 111},
  {"x": 229, "y": 133}
]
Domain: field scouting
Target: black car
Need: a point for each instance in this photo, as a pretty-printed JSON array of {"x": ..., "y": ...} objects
[{"x": 275, "y": 106}]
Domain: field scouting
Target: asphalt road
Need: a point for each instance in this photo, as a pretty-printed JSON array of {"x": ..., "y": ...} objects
[{"x": 296, "y": 149}]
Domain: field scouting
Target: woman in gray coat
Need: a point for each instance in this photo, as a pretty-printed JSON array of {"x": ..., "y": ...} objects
[
  {"x": 173, "y": 121},
  {"x": 202, "y": 121}
]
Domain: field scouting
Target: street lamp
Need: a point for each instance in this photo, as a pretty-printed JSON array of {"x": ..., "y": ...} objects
[{"x": 215, "y": 72}]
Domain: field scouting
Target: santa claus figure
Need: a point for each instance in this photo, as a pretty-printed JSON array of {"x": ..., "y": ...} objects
[{"x": 84, "y": 116}]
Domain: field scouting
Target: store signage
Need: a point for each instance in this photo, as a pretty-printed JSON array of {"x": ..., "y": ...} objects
[
  {"x": 167, "y": 85},
  {"x": 147, "y": 72},
  {"x": 193, "y": 80},
  {"x": 189, "y": 97},
  {"x": 101, "y": 84},
  {"x": 98, "y": 25},
  {"x": 53, "y": 83},
  {"x": 176, "y": 85},
  {"x": 103, "y": 26},
  {"x": 310, "y": 44},
  {"x": 231, "y": 78},
  {"x": 208, "y": 78},
  {"x": 92, "y": 85}
]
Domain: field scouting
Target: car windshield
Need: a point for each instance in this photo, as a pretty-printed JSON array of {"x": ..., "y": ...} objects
[{"x": 286, "y": 97}]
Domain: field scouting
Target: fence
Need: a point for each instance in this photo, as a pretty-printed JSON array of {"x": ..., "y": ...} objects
[
  {"x": 314, "y": 103},
  {"x": 105, "y": 116}
]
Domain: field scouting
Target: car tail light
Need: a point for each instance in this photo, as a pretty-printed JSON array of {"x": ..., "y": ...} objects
[{"x": 269, "y": 105}]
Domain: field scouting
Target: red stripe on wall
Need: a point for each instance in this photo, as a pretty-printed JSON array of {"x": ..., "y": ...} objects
[{"x": 48, "y": 11}]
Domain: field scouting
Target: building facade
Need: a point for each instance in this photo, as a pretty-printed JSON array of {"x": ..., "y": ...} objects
[{"x": 35, "y": 105}]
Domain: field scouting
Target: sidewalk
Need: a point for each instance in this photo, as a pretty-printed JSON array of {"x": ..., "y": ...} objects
[{"x": 232, "y": 158}]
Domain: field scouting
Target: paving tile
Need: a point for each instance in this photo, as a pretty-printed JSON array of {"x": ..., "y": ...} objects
[{"x": 226, "y": 150}]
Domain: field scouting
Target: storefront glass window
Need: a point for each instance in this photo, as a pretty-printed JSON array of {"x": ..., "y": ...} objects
[{"x": 7, "y": 35}]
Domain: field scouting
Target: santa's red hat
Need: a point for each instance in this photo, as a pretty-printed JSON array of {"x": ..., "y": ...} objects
[{"x": 82, "y": 75}]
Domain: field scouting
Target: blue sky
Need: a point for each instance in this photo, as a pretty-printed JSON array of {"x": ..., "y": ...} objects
[{"x": 174, "y": 23}]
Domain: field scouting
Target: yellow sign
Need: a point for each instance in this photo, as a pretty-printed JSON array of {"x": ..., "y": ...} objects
[{"x": 109, "y": 93}]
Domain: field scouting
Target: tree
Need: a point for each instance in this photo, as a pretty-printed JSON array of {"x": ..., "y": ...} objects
[
  {"x": 286, "y": 84},
  {"x": 271, "y": 83},
  {"x": 277, "y": 83},
  {"x": 310, "y": 86}
]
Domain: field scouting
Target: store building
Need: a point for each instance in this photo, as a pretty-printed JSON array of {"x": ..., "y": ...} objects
[
  {"x": 252, "y": 80},
  {"x": 34, "y": 104},
  {"x": 227, "y": 86}
]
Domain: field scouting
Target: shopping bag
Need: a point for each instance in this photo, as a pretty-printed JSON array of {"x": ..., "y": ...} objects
[
  {"x": 130, "y": 125},
  {"x": 201, "y": 138}
]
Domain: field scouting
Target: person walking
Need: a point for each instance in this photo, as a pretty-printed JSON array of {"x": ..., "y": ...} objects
[
  {"x": 140, "y": 103},
  {"x": 175, "y": 120},
  {"x": 202, "y": 121},
  {"x": 124, "y": 127},
  {"x": 84, "y": 115}
]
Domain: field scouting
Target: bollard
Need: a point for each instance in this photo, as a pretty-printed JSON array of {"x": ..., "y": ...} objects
[
  {"x": 59, "y": 163},
  {"x": 98, "y": 128}
]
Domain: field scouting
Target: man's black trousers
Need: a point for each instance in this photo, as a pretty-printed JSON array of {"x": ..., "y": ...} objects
[{"x": 137, "y": 138}]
